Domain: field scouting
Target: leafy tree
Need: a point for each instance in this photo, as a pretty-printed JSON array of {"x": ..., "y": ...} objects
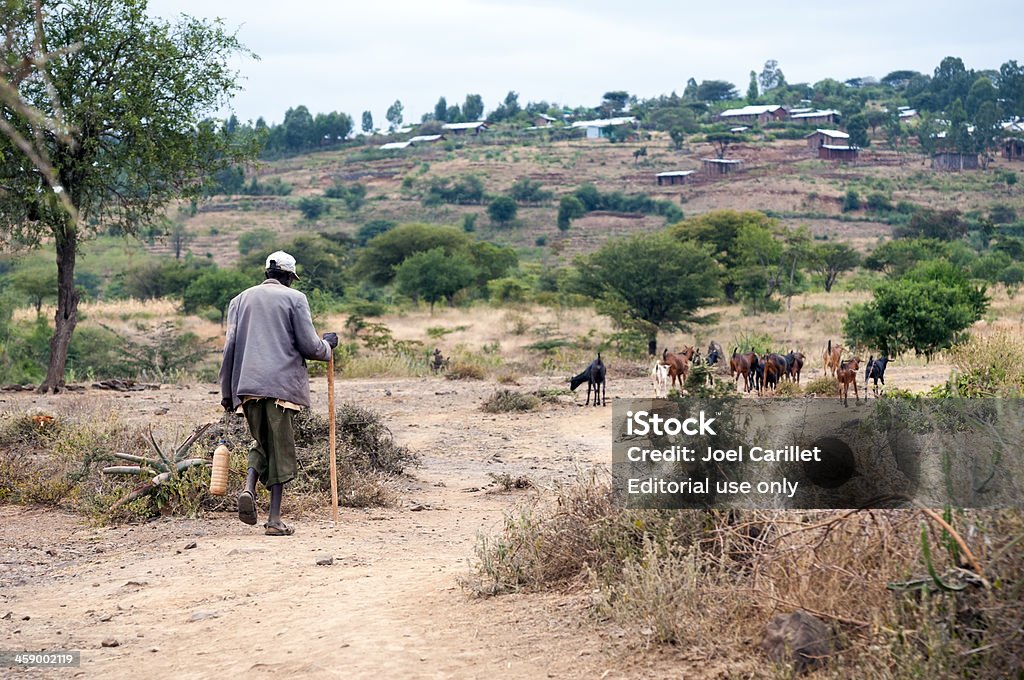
[
  {"x": 614, "y": 102},
  {"x": 924, "y": 310},
  {"x": 367, "y": 122},
  {"x": 832, "y": 259},
  {"x": 857, "y": 128},
  {"x": 716, "y": 91},
  {"x": 526, "y": 190},
  {"x": 569, "y": 208},
  {"x": 257, "y": 241},
  {"x": 35, "y": 281},
  {"x": 982, "y": 91},
  {"x": 502, "y": 210},
  {"x": 771, "y": 76},
  {"x": 691, "y": 91},
  {"x": 491, "y": 261},
  {"x": 433, "y": 275},
  {"x": 473, "y": 107},
  {"x": 179, "y": 236},
  {"x": 323, "y": 263},
  {"x": 394, "y": 115},
  {"x": 927, "y": 134},
  {"x": 752, "y": 92},
  {"x": 877, "y": 118},
  {"x": 377, "y": 261},
  {"x": 215, "y": 288},
  {"x": 299, "y": 129},
  {"x": 371, "y": 229},
  {"x": 898, "y": 80},
  {"x": 331, "y": 128},
  {"x": 441, "y": 110},
  {"x": 115, "y": 115},
  {"x": 678, "y": 136},
  {"x": 649, "y": 283},
  {"x": 987, "y": 132},
  {"x": 312, "y": 207},
  {"x": 1011, "y": 87},
  {"x": 722, "y": 140},
  {"x": 898, "y": 256},
  {"x": 942, "y": 225}
]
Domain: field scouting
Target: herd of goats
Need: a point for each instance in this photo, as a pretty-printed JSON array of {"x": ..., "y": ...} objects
[{"x": 759, "y": 372}]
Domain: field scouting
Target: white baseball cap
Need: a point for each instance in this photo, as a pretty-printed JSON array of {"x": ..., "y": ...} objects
[{"x": 281, "y": 261}]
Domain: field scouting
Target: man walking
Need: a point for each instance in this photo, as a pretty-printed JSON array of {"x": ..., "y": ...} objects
[{"x": 270, "y": 335}]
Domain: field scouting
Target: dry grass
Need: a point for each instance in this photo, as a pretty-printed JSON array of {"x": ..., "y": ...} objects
[{"x": 711, "y": 580}]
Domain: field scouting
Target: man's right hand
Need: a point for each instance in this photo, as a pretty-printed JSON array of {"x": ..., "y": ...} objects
[
  {"x": 228, "y": 404},
  {"x": 332, "y": 339}
]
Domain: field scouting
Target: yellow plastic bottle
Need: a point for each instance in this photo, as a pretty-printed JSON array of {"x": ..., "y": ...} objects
[{"x": 219, "y": 473}]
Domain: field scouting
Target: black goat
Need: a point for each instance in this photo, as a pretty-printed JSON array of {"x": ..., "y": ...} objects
[
  {"x": 594, "y": 376},
  {"x": 875, "y": 371}
]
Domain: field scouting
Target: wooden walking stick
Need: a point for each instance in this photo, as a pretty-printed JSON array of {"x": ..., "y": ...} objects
[{"x": 331, "y": 436}]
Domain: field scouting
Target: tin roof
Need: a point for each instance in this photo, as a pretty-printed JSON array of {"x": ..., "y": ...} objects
[
  {"x": 394, "y": 145},
  {"x": 604, "y": 122},
  {"x": 752, "y": 110},
  {"x": 816, "y": 114},
  {"x": 675, "y": 173},
  {"x": 465, "y": 126},
  {"x": 835, "y": 134}
]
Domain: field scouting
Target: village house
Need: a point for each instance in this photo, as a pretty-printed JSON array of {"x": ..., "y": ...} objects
[
  {"x": 543, "y": 120},
  {"x": 598, "y": 129},
  {"x": 954, "y": 161},
  {"x": 815, "y": 117},
  {"x": 754, "y": 114},
  {"x": 673, "y": 177},
  {"x": 475, "y": 127},
  {"x": 721, "y": 166},
  {"x": 821, "y": 137},
  {"x": 838, "y": 152}
]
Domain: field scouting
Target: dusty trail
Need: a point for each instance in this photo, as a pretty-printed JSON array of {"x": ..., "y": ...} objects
[{"x": 240, "y": 604}]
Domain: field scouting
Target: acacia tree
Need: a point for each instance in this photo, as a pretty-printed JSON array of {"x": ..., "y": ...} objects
[
  {"x": 114, "y": 103},
  {"x": 649, "y": 283}
]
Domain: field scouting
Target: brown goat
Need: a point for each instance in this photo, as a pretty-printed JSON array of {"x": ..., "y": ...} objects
[
  {"x": 832, "y": 356},
  {"x": 846, "y": 375},
  {"x": 678, "y": 365}
]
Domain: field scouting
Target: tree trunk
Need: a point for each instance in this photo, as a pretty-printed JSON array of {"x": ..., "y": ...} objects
[{"x": 66, "y": 318}]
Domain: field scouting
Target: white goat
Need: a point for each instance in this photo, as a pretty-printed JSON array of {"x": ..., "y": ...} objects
[{"x": 659, "y": 378}]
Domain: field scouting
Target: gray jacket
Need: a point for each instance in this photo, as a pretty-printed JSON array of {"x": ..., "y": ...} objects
[{"x": 270, "y": 335}]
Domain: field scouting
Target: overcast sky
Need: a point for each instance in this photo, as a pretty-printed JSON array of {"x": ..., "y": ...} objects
[{"x": 356, "y": 56}]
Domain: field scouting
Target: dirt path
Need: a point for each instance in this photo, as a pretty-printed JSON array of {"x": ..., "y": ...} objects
[{"x": 242, "y": 604}]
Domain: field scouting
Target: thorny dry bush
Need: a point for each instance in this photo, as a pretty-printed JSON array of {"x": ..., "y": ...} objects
[
  {"x": 903, "y": 598},
  {"x": 56, "y": 459}
]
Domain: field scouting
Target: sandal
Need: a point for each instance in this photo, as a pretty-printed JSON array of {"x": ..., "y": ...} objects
[
  {"x": 247, "y": 507},
  {"x": 283, "y": 530}
]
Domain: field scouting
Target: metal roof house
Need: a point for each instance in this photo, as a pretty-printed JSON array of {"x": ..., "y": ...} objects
[
  {"x": 754, "y": 114},
  {"x": 721, "y": 166},
  {"x": 838, "y": 152},
  {"x": 822, "y": 136},
  {"x": 596, "y": 129},
  {"x": 463, "y": 128},
  {"x": 815, "y": 117},
  {"x": 673, "y": 177}
]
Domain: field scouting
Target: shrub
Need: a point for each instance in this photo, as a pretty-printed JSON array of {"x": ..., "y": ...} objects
[
  {"x": 312, "y": 207},
  {"x": 502, "y": 211},
  {"x": 823, "y": 386},
  {"x": 464, "y": 370},
  {"x": 851, "y": 201},
  {"x": 505, "y": 400}
]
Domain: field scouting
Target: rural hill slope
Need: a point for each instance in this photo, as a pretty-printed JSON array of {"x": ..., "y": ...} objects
[{"x": 780, "y": 176}]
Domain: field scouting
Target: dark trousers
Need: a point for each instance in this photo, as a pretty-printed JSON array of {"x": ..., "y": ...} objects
[{"x": 273, "y": 453}]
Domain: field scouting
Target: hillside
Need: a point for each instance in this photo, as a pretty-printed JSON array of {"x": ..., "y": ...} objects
[{"x": 780, "y": 177}]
